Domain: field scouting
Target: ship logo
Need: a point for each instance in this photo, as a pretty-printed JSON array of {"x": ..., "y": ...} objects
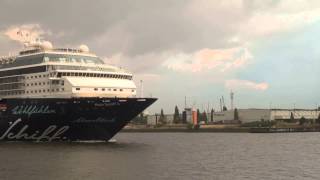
[
  {"x": 32, "y": 109},
  {"x": 51, "y": 133}
]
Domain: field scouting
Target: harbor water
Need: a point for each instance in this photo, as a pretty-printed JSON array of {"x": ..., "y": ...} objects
[{"x": 168, "y": 156}]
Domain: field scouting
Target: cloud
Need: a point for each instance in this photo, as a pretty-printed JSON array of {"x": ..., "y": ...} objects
[
  {"x": 25, "y": 32},
  {"x": 246, "y": 84},
  {"x": 208, "y": 59},
  {"x": 147, "y": 77},
  {"x": 268, "y": 23},
  {"x": 143, "y": 63},
  {"x": 144, "y": 27}
]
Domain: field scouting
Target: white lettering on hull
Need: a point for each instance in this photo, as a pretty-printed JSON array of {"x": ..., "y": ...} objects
[
  {"x": 98, "y": 120},
  {"x": 49, "y": 134},
  {"x": 32, "y": 109}
]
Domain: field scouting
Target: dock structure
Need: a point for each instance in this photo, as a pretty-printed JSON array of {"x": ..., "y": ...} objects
[{"x": 284, "y": 130}]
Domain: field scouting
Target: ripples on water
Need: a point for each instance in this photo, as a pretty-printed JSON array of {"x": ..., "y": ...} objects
[{"x": 168, "y": 156}]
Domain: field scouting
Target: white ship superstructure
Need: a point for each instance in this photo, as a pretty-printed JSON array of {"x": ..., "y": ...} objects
[{"x": 41, "y": 71}]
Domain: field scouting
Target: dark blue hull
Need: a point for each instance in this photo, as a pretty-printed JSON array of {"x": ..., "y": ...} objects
[{"x": 67, "y": 119}]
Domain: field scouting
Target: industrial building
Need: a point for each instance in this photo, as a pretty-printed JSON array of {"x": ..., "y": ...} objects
[
  {"x": 244, "y": 115},
  {"x": 251, "y": 115}
]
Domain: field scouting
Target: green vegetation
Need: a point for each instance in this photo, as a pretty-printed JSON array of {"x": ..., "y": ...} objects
[
  {"x": 224, "y": 108},
  {"x": 318, "y": 119},
  {"x": 140, "y": 119},
  {"x": 236, "y": 114},
  {"x": 176, "y": 115},
  {"x": 162, "y": 118},
  {"x": 302, "y": 121},
  {"x": 204, "y": 117},
  {"x": 211, "y": 115},
  {"x": 292, "y": 117},
  {"x": 198, "y": 115}
]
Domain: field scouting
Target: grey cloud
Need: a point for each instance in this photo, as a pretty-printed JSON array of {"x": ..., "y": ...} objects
[
  {"x": 258, "y": 5},
  {"x": 135, "y": 29},
  {"x": 148, "y": 25}
]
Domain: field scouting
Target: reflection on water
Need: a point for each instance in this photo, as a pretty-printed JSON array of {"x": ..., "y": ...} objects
[{"x": 168, "y": 156}]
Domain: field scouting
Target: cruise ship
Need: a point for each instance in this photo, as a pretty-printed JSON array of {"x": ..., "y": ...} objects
[{"x": 64, "y": 94}]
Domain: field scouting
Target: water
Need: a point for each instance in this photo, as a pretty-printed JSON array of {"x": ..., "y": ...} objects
[{"x": 168, "y": 156}]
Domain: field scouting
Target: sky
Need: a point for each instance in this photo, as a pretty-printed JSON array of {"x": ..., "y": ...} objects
[{"x": 266, "y": 52}]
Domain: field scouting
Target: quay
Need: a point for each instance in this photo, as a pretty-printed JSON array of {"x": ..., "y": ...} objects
[{"x": 284, "y": 130}]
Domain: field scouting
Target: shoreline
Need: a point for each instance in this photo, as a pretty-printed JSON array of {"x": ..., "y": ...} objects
[
  {"x": 178, "y": 130},
  {"x": 227, "y": 129}
]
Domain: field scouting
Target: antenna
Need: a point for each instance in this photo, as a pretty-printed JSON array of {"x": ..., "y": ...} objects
[
  {"x": 224, "y": 107},
  {"x": 141, "y": 88},
  {"x": 220, "y": 104},
  {"x": 185, "y": 102},
  {"x": 223, "y": 104}
]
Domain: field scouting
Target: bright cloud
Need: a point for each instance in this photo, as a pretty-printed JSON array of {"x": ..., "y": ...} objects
[
  {"x": 245, "y": 84},
  {"x": 207, "y": 59},
  {"x": 265, "y": 23},
  {"x": 26, "y": 32}
]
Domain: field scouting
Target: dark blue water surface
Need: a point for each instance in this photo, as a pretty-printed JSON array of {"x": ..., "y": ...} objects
[{"x": 168, "y": 156}]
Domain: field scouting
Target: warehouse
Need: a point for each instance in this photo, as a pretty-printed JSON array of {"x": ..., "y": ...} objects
[{"x": 251, "y": 115}]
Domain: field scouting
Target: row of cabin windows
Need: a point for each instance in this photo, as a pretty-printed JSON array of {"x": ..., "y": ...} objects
[
  {"x": 43, "y": 83},
  {"x": 21, "y": 71},
  {"x": 51, "y": 90},
  {"x": 60, "y": 74},
  {"x": 11, "y": 86},
  {"x": 32, "y": 92},
  {"x": 38, "y": 76},
  {"x": 43, "y": 90},
  {"x": 54, "y": 82},
  {"x": 11, "y": 79},
  {"x": 12, "y": 93},
  {"x": 103, "y": 89}
]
